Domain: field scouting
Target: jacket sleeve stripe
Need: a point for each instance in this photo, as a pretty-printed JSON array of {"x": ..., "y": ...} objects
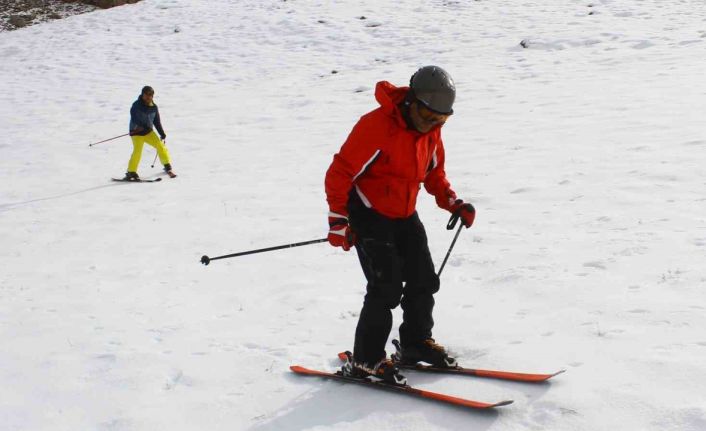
[
  {"x": 367, "y": 164},
  {"x": 336, "y": 215},
  {"x": 365, "y": 200}
]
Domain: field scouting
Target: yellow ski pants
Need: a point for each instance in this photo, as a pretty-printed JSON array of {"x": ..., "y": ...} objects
[{"x": 150, "y": 139}]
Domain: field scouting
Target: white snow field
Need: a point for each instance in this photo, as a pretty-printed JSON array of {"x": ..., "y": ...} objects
[{"x": 582, "y": 152}]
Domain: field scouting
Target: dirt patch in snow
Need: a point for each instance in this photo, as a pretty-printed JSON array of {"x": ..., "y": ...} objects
[{"x": 15, "y": 14}]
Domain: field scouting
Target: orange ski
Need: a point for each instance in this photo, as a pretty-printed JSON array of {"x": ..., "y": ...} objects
[
  {"x": 492, "y": 374},
  {"x": 402, "y": 389}
]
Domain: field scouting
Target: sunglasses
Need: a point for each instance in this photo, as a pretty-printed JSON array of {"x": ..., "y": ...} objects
[{"x": 430, "y": 116}]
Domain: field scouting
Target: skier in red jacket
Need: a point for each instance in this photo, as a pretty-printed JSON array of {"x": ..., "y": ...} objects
[{"x": 371, "y": 188}]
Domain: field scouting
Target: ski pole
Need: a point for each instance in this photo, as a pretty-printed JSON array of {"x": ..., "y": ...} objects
[
  {"x": 450, "y": 225},
  {"x": 206, "y": 260},
  {"x": 156, "y": 154},
  {"x": 106, "y": 140}
]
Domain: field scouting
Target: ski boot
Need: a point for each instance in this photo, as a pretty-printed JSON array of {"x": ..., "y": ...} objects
[
  {"x": 428, "y": 351},
  {"x": 168, "y": 170},
  {"x": 131, "y": 176},
  {"x": 385, "y": 370}
]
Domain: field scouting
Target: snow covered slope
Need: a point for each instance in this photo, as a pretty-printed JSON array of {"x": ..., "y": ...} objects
[{"x": 581, "y": 149}]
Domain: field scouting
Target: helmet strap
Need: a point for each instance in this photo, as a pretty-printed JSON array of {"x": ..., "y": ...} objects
[{"x": 404, "y": 110}]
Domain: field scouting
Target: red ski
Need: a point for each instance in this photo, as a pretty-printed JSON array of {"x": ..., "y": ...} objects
[
  {"x": 492, "y": 374},
  {"x": 401, "y": 389}
]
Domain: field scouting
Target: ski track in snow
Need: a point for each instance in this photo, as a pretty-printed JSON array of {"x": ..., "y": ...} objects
[{"x": 578, "y": 136}]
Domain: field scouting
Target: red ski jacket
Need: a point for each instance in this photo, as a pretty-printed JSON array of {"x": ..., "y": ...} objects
[{"x": 387, "y": 162}]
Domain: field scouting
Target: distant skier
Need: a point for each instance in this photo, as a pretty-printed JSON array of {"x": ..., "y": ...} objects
[
  {"x": 371, "y": 188},
  {"x": 143, "y": 115}
]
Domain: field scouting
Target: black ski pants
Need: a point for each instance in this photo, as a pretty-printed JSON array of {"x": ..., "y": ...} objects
[{"x": 395, "y": 258}]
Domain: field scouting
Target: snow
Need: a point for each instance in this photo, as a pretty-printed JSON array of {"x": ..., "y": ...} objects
[{"x": 581, "y": 151}]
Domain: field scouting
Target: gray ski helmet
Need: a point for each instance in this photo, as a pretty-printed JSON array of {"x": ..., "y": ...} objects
[{"x": 434, "y": 88}]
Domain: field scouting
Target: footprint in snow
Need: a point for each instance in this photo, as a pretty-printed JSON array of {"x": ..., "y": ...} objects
[
  {"x": 175, "y": 378},
  {"x": 595, "y": 264},
  {"x": 643, "y": 45},
  {"x": 521, "y": 190},
  {"x": 697, "y": 142},
  {"x": 638, "y": 311},
  {"x": 689, "y": 42}
]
